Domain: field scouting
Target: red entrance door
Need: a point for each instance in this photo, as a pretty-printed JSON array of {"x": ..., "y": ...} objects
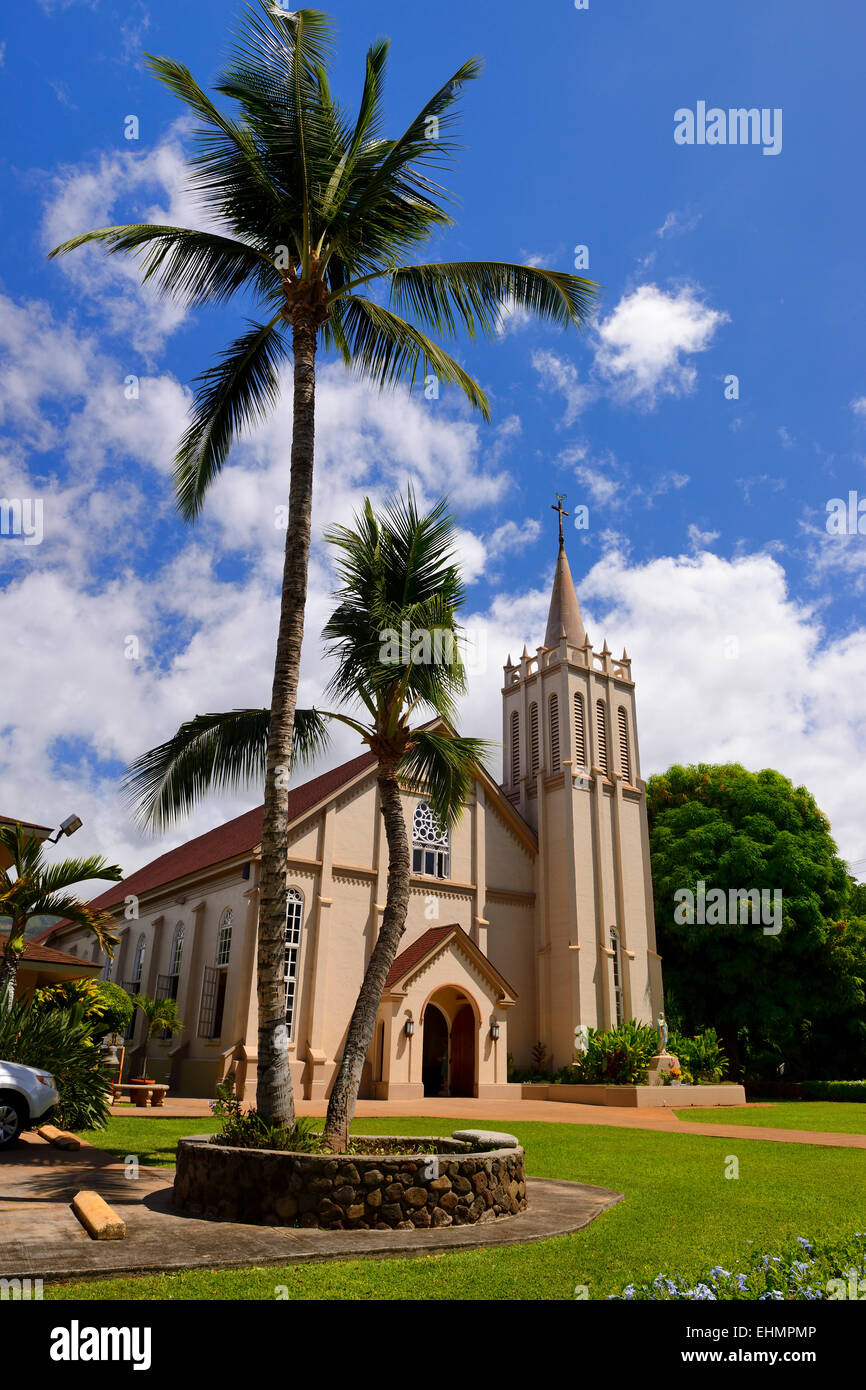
[{"x": 463, "y": 1033}]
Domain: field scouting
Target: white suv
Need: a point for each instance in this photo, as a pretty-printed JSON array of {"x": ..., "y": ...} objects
[{"x": 27, "y": 1097}]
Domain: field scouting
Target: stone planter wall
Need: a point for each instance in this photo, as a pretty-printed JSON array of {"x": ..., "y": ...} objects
[{"x": 350, "y": 1192}]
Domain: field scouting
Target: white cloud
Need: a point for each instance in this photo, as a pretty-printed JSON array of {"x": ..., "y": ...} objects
[
  {"x": 120, "y": 187},
  {"x": 675, "y": 225},
  {"x": 512, "y": 537},
  {"x": 645, "y": 343},
  {"x": 556, "y": 374},
  {"x": 858, "y": 405},
  {"x": 701, "y": 540}
]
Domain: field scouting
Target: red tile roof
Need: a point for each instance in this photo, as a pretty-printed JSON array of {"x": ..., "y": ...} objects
[
  {"x": 28, "y": 824},
  {"x": 417, "y": 951},
  {"x": 46, "y": 955},
  {"x": 235, "y": 837}
]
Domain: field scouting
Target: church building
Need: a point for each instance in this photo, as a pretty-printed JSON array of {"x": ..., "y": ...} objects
[{"x": 533, "y": 916}]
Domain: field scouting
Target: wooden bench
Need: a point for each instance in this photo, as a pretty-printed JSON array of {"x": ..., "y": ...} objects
[{"x": 142, "y": 1095}]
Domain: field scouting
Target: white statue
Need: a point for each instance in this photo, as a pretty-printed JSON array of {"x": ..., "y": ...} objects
[{"x": 662, "y": 1030}]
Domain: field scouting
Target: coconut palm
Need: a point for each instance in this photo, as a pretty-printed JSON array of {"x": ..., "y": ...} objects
[
  {"x": 30, "y": 887},
  {"x": 160, "y": 1016},
  {"x": 397, "y": 576},
  {"x": 310, "y": 206}
]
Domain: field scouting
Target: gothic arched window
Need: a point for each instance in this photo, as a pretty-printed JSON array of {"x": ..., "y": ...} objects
[
  {"x": 430, "y": 844},
  {"x": 624, "y": 752},
  {"x": 294, "y": 922},
  {"x": 553, "y": 713},
  {"x": 579, "y": 731},
  {"x": 515, "y": 748},
  {"x": 602, "y": 737},
  {"x": 224, "y": 939}
]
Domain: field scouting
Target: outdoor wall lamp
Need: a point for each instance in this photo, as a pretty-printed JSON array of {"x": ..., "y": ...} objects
[
  {"x": 409, "y": 1027},
  {"x": 494, "y": 1031},
  {"x": 67, "y": 827}
]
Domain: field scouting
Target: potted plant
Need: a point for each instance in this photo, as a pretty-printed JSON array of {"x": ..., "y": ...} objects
[{"x": 161, "y": 1017}]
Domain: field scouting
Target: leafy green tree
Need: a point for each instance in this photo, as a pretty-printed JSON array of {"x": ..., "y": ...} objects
[
  {"x": 396, "y": 570},
  {"x": 31, "y": 887},
  {"x": 319, "y": 215},
  {"x": 105, "y": 1007},
  {"x": 731, "y": 829},
  {"x": 161, "y": 1016}
]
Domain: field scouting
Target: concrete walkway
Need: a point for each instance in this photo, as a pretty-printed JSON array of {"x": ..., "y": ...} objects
[
  {"x": 40, "y": 1237},
  {"x": 495, "y": 1114}
]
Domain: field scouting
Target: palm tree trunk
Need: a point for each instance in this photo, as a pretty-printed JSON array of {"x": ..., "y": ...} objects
[
  {"x": 274, "y": 1098},
  {"x": 8, "y": 976},
  {"x": 344, "y": 1093}
]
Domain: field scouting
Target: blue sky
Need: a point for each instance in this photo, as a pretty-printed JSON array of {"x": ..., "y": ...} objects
[{"x": 707, "y": 553}]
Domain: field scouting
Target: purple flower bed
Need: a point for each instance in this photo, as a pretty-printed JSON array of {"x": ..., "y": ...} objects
[{"x": 830, "y": 1269}]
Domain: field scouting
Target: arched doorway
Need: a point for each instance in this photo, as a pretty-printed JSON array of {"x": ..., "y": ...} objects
[
  {"x": 434, "y": 1063},
  {"x": 463, "y": 1033}
]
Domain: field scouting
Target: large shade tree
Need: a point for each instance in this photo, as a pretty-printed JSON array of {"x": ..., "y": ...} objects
[
  {"x": 317, "y": 214},
  {"x": 31, "y": 887},
  {"x": 734, "y": 830},
  {"x": 397, "y": 577}
]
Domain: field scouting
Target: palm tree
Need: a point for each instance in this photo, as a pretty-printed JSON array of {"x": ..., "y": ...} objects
[
  {"x": 30, "y": 888},
  {"x": 397, "y": 576},
  {"x": 161, "y": 1016},
  {"x": 313, "y": 206}
]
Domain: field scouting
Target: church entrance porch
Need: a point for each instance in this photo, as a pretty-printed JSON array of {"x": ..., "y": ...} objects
[{"x": 443, "y": 1020}]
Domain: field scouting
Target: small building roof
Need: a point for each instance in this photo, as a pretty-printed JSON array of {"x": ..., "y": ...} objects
[{"x": 430, "y": 942}]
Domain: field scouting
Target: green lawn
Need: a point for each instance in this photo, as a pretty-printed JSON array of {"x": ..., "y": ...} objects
[
  {"x": 680, "y": 1214},
  {"x": 829, "y": 1116}
]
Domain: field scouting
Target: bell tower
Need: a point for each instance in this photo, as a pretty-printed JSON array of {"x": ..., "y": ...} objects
[{"x": 571, "y": 766}]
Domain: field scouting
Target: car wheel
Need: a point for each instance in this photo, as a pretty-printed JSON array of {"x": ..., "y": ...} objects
[{"x": 11, "y": 1120}]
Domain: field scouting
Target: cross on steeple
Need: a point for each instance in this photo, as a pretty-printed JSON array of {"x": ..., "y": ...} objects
[{"x": 557, "y": 507}]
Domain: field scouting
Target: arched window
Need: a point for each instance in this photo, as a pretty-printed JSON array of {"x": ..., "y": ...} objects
[
  {"x": 430, "y": 844},
  {"x": 133, "y": 985},
  {"x": 533, "y": 739},
  {"x": 294, "y": 922},
  {"x": 515, "y": 748},
  {"x": 553, "y": 714},
  {"x": 579, "y": 731},
  {"x": 602, "y": 736},
  {"x": 138, "y": 961},
  {"x": 619, "y": 1012},
  {"x": 176, "y": 950},
  {"x": 624, "y": 756},
  {"x": 224, "y": 938}
]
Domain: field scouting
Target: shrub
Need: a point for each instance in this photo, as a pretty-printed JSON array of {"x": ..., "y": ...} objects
[
  {"x": 247, "y": 1129},
  {"x": 833, "y": 1090},
  {"x": 618, "y": 1057},
  {"x": 63, "y": 1045},
  {"x": 702, "y": 1056}
]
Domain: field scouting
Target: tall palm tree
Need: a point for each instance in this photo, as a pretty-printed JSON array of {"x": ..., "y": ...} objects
[
  {"x": 398, "y": 579},
  {"x": 314, "y": 206},
  {"x": 30, "y": 888}
]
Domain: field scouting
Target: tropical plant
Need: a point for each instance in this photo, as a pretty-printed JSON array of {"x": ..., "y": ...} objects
[
  {"x": 59, "y": 1042},
  {"x": 703, "y": 1055},
  {"x": 160, "y": 1015},
  {"x": 105, "y": 1007},
  {"x": 312, "y": 207},
  {"x": 30, "y": 887},
  {"x": 247, "y": 1129},
  {"x": 397, "y": 574},
  {"x": 616, "y": 1056}
]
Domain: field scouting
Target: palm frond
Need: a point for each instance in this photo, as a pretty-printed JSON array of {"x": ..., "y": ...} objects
[
  {"x": 232, "y": 395},
  {"x": 444, "y": 766},
  {"x": 476, "y": 294},
  {"x": 388, "y": 350},
  {"x": 212, "y": 752}
]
